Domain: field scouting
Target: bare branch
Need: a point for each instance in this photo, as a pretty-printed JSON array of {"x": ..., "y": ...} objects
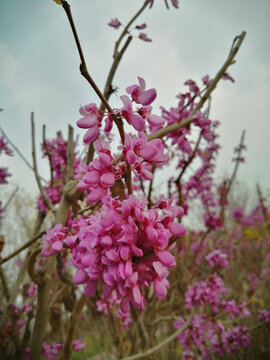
[
  {"x": 70, "y": 154},
  {"x": 160, "y": 345},
  {"x": 47, "y": 151},
  {"x": 41, "y": 189},
  {"x": 25, "y": 246},
  {"x": 185, "y": 122},
  {"x": 10, "y": 198},
  {"x": 73, "y": 326},
  {"x": 19, "y": 153}
]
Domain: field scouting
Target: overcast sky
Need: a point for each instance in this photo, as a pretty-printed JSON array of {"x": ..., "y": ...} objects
[{"x": 39, "y": 68}]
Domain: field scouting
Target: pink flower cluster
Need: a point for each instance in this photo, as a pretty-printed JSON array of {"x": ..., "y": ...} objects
[
  {"x": 51, "y": 352},
  {"x": 56, "y": 149},
  {"x": 210, "y": 338},
  {"x": 53, "y": 241},
  {"x": 217, "y": 258},
  {"x": 91, "y": 121},
  {"x": 126, "y": 247},
  {"x": 264, "y": 315},
  {"x": 142, "y": 154},
  {"x": 4, "y": 174},
  {"x": 140, "y": 95},
  {"x": 100, "y": 175},
  {"x": 4, "y": 147},
  {"x": 205, "y": 292}
]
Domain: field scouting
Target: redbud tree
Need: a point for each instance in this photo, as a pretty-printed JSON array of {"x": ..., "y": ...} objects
[{"x": 110, "y": 267}]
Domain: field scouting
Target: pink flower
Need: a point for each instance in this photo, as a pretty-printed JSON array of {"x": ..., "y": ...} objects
[
  {"x": 90, "y": 120},
  {"x": 175, "y": 3},
  {"x": 140, "y": 95},
  {"x": 115, "y": 23},
  {"x": 53, "y": 240},
  {"x": 144, "y": 37},
  {"x": 141, "y": 27},
  {"x": 264, "y": 315},
  {"x": 133, "y": 119},
  {"x": 78, "y": 345},
  {"x": 217, "y": 258},
  {"x": 227, "y": 76}
]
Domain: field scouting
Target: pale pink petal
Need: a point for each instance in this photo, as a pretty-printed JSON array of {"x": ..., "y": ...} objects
[
  {"x": 107, "y": 179},
  {"x": 137, "y": 294},
  {"x": 91, "y": 177},
  {"x": 151, "y": 233},
  {"x": 147, "y": 97},
  {"x": 80, "y": 277},
  {"x": 95, "y": 195},
  {"x": 148, "y": 151},
  {"x": 137, "y": 122},
  {"x": 166, "y": 258},
  {"x": 87, "y": 122},
  {"x": 57, "y": 246},
  {"x": 90, "y": 135},
  {"x": 177, "y": 229},
  {"x": 160, "y": 289}
]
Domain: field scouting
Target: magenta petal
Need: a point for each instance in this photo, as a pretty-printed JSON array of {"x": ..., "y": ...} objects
[
  {"x": 125, "y": 305},
  {"x": 107, "y": 179},
  {"x": 151, "y": 233},
  {"x": 160, "y": 289},
  {"x": 128, "y": 268},
  {"x": 122, "y": 271},
  {"x": 106, "y": 240},
  {"x": 155, "y": 120},
  {"x": 80, "y": 277},
  {"x": 105, "y": 159},
  {"x": 91, "y": 177},
  {"x": 131, "y": 157},
  {"x": 87, "y": 122},
  {"x": 136, "y": 251},
  {"x": 166, "y": 258},
  {"x": 124, "y": 252},
  {"x": 82, "y": 185},
  {"x": 177, "y": 229},
  {"x": 147, "y": 175},
  {"x": 137, "y": 122},
  {"x": 148, "y": 151},
  {"x": 131, "y": 88},
  {"x": 57, "y": 246},
  {"x": 90, "y": 289},
  {"x": 95, "y": 195},
  {"x": 137, "y": 294},
  {"x": 141, "y": 83},
  {"x": 147, "y": 97},
  {"x": 90, "y": 135}
]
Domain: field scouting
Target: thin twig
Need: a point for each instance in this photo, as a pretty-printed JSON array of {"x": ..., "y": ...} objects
[
  {"x": 126, "y": 28},
  {"x": 25, "y": 246},
  {"x": 87, "y": 76},
  {"x": 10, "y": 198},
  {"x": 48, "y": 152},
  {"x": 188, "y": 120},
  {"x": 190, "y": 159},
  {"x": 228, "y": 188},
  {"x": 73, "y": 322},
  {"x": 70, "y": 154},
  {"x": 160, "y": 345},
  {"x": 19, "y": 153},
  {"x": 6, "y": 291},
  {"x": 261, "y": 199},
  {"x": 41, "y": 189}
]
